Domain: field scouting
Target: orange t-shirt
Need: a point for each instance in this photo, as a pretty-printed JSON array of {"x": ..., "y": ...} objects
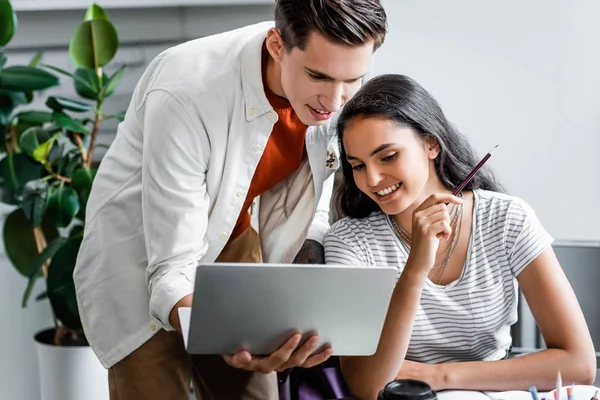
[{"x": 283, "y": 153}]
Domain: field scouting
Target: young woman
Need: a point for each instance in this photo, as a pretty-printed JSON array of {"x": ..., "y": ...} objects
[{"x": 460, "y": 259}]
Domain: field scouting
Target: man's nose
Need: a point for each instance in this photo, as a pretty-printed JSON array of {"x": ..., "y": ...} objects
[{"x": 335, "y": 98}]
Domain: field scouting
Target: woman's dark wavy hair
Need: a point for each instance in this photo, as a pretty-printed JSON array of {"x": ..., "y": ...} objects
[{"x": 400, "y": 99}]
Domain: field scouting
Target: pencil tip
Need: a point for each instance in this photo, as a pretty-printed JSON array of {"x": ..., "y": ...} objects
[{"x": 492, "y": 150}]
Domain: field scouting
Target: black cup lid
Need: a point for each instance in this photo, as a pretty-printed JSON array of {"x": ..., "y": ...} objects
[{"x": 407, "y": 389}]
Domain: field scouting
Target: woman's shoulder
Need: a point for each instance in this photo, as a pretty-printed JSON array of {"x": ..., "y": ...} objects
[
  {"x": 501, "y": 212},
  {"x": 500, "y": 203}
]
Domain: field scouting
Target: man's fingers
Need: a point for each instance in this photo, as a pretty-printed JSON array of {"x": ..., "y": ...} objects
[
  {"x": 318, "y": 358},
  {"x": 238, "y": 360},
  {"x": 279, "y": 357},
  {"x": 301, "y": 355}
]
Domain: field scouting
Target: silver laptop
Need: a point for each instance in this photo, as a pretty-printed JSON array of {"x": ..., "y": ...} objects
[{"x": 257, "y": 307}]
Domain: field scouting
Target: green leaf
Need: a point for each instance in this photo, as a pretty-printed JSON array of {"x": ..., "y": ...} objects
[
  {"x": 120, "y": 116},
  {"x": 63, "y": 205},
  {"x": 66, "y": 122},
  {"x": 3, "y": 130},
  {"x": 8, "y": 22},
  {"x": 95, "y": 12},
  {"x": 93, "y": 44},
  {"x": 19, "y": 241},
  {"x": 90, "y": 89},
  {"x": 17, "y": 170},
  {"x": 36, "y": 59},
  {"x": 34, "y": 117},
  {"x": 41, "y": 296},
  {"x": 9, "y": 100},
  {"x": 60, "y": 285},
  {"x": 32, "y": 138},
  {"x": 62, "y": 103},
  {"x": 26, "y": 79},
  {"x": 66, "y": 73},
  {"x": 34, "y": 200},
  {"x": 73, "y": 162},
  {"x": 82, "y": 182},
  {"x": 112, "y": 83},
  {"x": 3, "y": 60},
  {"x": 40, "y": 153},
  {"x": 76, "y": 231},
  {"x": 37, "y": 265}
]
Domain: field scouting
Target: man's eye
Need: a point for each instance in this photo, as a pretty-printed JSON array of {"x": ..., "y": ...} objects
[{"x": 316, "y": 77}]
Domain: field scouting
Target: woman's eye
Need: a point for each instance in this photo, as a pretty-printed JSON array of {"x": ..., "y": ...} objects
[
  {"x": 358, "y": 167},
  {"x": 390, "y": 157}
]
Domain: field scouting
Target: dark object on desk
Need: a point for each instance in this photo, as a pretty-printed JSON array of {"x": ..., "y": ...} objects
[{"x": 407, "y": 389}]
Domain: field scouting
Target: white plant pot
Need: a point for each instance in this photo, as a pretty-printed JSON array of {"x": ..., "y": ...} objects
[{"x": 70, "y": 372}]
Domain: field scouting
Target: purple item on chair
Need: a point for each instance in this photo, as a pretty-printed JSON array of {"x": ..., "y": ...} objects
[{"x": 322, "y": 382}]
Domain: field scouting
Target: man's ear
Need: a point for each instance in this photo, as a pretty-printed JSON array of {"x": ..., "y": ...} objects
[
  {"x": 432, "y": 147},
  {"x": 274, "y": 44}
]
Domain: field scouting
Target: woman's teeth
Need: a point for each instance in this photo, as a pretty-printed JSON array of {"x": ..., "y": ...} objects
[{"x": 388, "y": 190}]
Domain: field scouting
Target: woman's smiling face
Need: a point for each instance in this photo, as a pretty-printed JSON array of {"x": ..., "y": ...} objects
[{"x": 391, "y": 164}]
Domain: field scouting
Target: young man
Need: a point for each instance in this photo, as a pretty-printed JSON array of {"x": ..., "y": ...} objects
[{"x": 213, "y": 124}]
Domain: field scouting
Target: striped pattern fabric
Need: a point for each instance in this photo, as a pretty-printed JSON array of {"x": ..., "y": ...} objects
[{"x": 470, "y": 318}]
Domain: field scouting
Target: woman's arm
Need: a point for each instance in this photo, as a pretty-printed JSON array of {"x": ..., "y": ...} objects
[
  {"x": 569, "y": 345},
  {"x": 366, "y": 376}
]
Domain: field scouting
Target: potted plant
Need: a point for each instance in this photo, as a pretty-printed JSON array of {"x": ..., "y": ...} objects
[{"x": 46, "y": 172}]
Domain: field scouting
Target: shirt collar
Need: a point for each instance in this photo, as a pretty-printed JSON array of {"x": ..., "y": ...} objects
[{"x": 255, "y": 99}]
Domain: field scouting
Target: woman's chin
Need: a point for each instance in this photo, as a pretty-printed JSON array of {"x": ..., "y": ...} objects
[{"x": 393, "y": 208}]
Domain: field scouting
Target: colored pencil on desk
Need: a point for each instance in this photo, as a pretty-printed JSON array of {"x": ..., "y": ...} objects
[
  {"x": 558, "y": 386},
  {"x": 534, "y": 393}
]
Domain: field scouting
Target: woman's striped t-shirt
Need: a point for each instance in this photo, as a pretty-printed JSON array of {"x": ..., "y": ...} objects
[{"x": 470, "y": 318}]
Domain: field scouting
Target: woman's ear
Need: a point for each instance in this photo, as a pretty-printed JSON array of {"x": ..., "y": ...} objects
[
  {"x": 274, "y": 43},
  {"x": 432, "y": 147}
]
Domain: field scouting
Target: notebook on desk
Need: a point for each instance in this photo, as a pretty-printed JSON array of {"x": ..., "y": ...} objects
[{"x": 580, "y": 392}]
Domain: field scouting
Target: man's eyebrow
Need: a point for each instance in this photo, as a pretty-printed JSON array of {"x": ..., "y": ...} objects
[{"x": 324, "y": 76}]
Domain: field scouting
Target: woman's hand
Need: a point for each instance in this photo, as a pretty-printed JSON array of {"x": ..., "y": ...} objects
[{"x": 431, "y": 222}]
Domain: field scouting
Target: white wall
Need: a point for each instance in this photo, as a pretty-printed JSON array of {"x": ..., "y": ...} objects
[
  {"x": 143, "y": 33},
  {"x": 524, "y": 74}
]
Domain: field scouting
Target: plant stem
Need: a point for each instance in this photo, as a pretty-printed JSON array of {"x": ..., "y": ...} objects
[
  {"x": 40, "y": 242},
  {"x": 94, "y": 134},
  {"x": 58, "y": 177},
  {"x": 12, "y": 132},
  {"x": 82, "y": 149}
]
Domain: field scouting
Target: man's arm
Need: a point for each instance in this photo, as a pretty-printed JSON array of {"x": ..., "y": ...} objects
[
  {"x": 174, "y": 202},
  {"x": 312, "y": 252}
]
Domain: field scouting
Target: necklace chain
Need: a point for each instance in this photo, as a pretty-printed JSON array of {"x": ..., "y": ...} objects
[{"x": 456, "y": 222}]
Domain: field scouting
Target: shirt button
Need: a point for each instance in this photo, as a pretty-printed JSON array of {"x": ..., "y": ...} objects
[
  {"x": 152, "y": 327},
  {"x": 257, "y": 147},
  {"x": 270, "y": 115},
  {"x": 251, "y": 111},
  {"x": 224, "y": 234}
]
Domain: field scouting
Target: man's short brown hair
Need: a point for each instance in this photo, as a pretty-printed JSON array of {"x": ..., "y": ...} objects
[{"x": 349, "y": 22}]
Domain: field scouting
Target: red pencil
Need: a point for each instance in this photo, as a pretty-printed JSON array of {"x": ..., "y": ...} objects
[{"x": 460, "y": 187}]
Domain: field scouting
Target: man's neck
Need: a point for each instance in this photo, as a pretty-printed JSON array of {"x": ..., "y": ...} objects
[{"x": 273, "y": 74}]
